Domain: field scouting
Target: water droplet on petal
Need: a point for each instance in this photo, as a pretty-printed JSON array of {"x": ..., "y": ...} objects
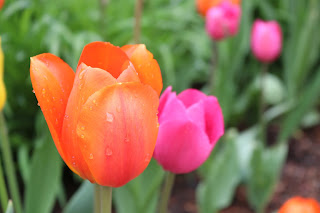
[
  {"x": 82, "y": 136},
  {"x": 90, "y": 107},
  {"x": 91, "y": 156},
  {"x": 158, "y": 125},
  {"x": 126, "y": 139},
  {"x": 108, "y": 151},
  {"x": 109, "y": 117},
  {"x": 33, "y": 91},
  {"x": 147, "y": 158},
  {"x": 82, "y": 128},
  {"x": 38, "y": 104},
  {"x": 94, "y": 101}
]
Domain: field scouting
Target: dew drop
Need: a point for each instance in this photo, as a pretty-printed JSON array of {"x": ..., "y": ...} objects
[
  {"x": 109, "y": 117},
  {"x": 33, "y": 91},
  {"x": 80, "y": 76},
  {"x": 38, "y": 104},
  {"x": 91, "y": 156},
  {"x": 108, "y": 151},
  {"x": 158, "y": 125},
  {"x": 147, "y": 158},
  {"x": 126, "y": 139},
  {"x": 82, "y": 128},
  {"x": 82, "y": 136},
  {"x": 43, "y": 92},
  {"x": 90, "y": 107},
  {"x": 94, "y": 101}
]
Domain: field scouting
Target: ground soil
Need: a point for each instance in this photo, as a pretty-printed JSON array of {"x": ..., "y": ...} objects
[{"x": 300, "y": 176}]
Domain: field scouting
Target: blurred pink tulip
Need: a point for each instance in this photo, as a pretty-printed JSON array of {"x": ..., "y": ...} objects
[
  {"x": 223, "y": 20},
  {"x": 190, "y": 126},
  {"x": 266, "y": 40}
]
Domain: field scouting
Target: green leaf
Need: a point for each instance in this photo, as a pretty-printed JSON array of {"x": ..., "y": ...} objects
[
  {"x": 82, "y": 200},
  {"x": 266, "y": 164},
  {"x": 217, "y": 190},
  {"x": 45, "y": 173},
  {"x": 140, "y": 194}
]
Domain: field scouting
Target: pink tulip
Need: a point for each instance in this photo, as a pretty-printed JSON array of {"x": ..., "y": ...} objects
[
  {"x": 266, "y": 40},
  {"x": 223, "y": 20},
  {"x": 190, "y": 126}
]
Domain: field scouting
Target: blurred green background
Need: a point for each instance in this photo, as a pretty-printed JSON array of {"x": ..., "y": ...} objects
[{"x": 174, "y": 32}]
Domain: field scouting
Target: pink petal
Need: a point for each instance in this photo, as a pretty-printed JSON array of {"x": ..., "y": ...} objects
[
  {"x": 181, "y": 146},
  {"x": 191, "y": 96},
  {"x": 164, "y": 98},
  {"x": 214, "y": 119},
  {"x": 196, "y": 114},
  {"x": 173, "y": 109}
]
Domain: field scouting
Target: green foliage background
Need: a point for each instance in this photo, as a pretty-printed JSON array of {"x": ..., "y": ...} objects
[{"x": 174, "y": 32}]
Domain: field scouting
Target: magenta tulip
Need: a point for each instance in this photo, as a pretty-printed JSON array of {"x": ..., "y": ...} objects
[
  {"x": 223, "y": 20},
  {"x": 266, "y": 40},
  {"x": 190, "y": 126}
]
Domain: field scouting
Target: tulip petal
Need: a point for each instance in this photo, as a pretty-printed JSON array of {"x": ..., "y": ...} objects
[
  {"x": 129, "y": 75},
  {"x": 214, "y": 119},
  {"x": 87, "y": 81},
  {"x": 105, "y": 56},
  {"x": 147, "y": 67},
  {"x": 181, "y": 146},
  {"x": 196, "y": 114},
  {"x": 191, "y": 96},
  {"x": 52, "y": 80},
  {"x": 173, "y": 109},
  {"x": 164, "y": 98},
  {"x": 119, "y": 133}
]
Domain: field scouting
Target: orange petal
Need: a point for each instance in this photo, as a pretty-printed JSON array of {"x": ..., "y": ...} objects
[
  {"x": 204, "y": 5},
  {"x": 52, "y": 80},
  {"x": 105, "y": 56},
  {"x": 129, "y": 75},
  {"x": 118, "y": 133},
  {"x": 147, "y": 68},
  {"x": 87, "y": 81}
]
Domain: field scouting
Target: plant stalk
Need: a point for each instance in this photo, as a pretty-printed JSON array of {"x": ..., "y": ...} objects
[
  {"x": 137, "y": 24},
  {"x": 262, "y": 122},
  {"x": 166, "y": 192},
  {"x": 3, "y": 190},
  {"x": 103, "y": 199},
  {"x": 9, "y": 167}
]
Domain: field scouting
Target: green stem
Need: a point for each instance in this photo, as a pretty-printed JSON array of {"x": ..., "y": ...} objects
[
  {"x": 166, "y": 192},
  {"x": 9, "y": 167},
  {"x": 3, "y": 190},
  {"x": 103, "y": 199},
  {"x": 103, "y": 5},
  {"x": 137, "y": 25},
  {"x": 214, "y": 64},
  {"x": 262, "y": 122}
]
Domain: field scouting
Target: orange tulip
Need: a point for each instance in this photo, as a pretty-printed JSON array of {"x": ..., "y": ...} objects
[
  {"x": 300, "y": 205},
  {"x": 1, "y": 3},
  {"x": 204, "y": 5},
  {"x": 103, "y": 119}
]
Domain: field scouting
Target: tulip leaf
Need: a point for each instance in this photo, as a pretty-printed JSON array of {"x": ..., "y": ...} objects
[
  {"x": 45, "y": 174},
  {"x": 82, "y": 200},
  {"x": 217, "y": 190},
  {"x": 140, "y": 194},
  {"x": 266, "y": 164}
]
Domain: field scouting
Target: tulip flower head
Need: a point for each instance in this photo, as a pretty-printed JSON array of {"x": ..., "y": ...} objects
[
  {"x": 266, "y": 40},
  {"x": 103, "y": 118},
  {"x": 223, "y": 20},
  {"x": 2, "y": 87},
  {"x": 204, "y": 5},
  {"x": 300, "y": 205},
  {"x": 1, "y": 3},
  {"x": 190, "y": 126}
]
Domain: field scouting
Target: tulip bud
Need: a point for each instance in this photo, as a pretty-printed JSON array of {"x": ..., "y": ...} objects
[
  {"x": 299, "y": 205},
  {"x": 190, "y": 126},
  {"x": 204, "y": 5},
  {"x": 223, "y": 20},
  {"x": 266, "y": 40},
  {"x": 2, "y": 87}
]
